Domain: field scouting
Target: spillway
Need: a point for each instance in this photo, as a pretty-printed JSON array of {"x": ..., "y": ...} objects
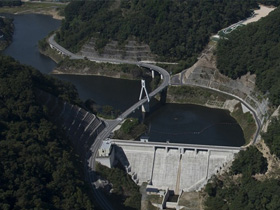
[{"x": 176, "y": 167}]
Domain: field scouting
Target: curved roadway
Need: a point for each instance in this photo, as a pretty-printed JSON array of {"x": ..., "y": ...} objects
[
  {"x": 113, "y": 124},
  {"x": 110, "y": 126}
]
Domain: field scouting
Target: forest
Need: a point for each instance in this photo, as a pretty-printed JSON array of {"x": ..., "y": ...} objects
[
  {"x": 38, "y": 167},
  {"x": 255, "y": 49},
  {"x": 272, "y": 137},
  {"x": 243, "y": 192},
  {"x": 125, "y": 193},
  {"x": 6, "y": 32},
  {"x": 174, "y": 30}
]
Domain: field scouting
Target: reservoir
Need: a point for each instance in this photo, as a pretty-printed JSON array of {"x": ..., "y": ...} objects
[{"x": 171, "y": 122}]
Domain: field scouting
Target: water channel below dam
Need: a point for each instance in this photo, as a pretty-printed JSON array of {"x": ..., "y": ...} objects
[{"x": 178, "y": 123}]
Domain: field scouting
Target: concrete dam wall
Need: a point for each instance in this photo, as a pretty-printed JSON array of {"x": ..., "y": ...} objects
[
  {"x": 176, "y": 168},
  {"x": 81, "y": 126}
]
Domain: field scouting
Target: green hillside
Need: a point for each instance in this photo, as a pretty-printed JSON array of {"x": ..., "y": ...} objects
[
  {"x": 254, "y": 48},
  {"x": 240, "y": 189},
  {"x": 38, "y": 168},
  {"x": 174, "y": 30}
]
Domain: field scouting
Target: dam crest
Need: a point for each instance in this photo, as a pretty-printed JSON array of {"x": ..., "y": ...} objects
[{"x": 178, "y": 167}]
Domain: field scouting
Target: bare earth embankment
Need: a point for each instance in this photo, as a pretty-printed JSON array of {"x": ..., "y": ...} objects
[
  {"x": 44, "y": 8},
  {"x": 204, "y": 73},
  {"x": 260, "y": 13}
]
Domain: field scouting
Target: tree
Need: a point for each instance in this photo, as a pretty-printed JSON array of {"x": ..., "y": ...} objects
[
  {"x": 254, "y": 48},
  {"x": 38, "y": 168},
  {"x": 272, "y": 137},
  {"x": 174, "y": 30},
  {"x": 251, "y": 161}
]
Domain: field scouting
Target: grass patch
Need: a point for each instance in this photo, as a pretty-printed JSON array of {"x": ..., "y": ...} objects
[
  {"x": 246, "y": 121},
  {"x": 108, "y": 112},
  {"x": 45, "y": 49},
  {"x": 130, "y": 129},
  {"x": 34, "y": 7},
  {"x": 193, "y": 95},
  {"x": 87, "y": 67},
  {"x": 176, "y": 68},
  {"x": 155, "y": 199},
  {"x": 151, "y": 207},
  {"x": 191, "y": 200}
]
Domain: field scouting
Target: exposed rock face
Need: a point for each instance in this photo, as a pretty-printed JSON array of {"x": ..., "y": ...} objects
[
  {"x": 204, "y": 73},
  {"x": 131, "y": 50},
  {"x": 230, "y": 104}
]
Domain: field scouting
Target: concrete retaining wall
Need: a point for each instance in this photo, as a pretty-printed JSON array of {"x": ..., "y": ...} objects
[
  {"x": 163, "y": 165},
  {"x": 81, "y": 126}
]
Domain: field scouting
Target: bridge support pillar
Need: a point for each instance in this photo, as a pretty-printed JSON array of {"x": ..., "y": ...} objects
[
  {"x": 145, "y": 107},
  {"x": 153, "y": 74},
  {"x": 181, "y": 150}
]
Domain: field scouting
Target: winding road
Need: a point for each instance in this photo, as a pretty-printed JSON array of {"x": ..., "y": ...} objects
[{"x": 104, "y": 203}]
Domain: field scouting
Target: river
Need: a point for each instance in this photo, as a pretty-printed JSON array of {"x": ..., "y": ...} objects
[{"x": 171, "y": 122}]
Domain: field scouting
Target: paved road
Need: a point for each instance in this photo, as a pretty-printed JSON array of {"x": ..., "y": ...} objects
[
  {"x": 176, "y": 145},
  {"x": 113, "y": 124},
  {"x": 163, "y": 85},
  {"x": 109, "y": 128}
]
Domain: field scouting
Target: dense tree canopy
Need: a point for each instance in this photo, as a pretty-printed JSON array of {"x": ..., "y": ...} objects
[
  {"x": 254, "y": 48},
  {"x": 250, "y": 161},
  {"x": 270, "y": 2},
  {"x": 125, "y": 194},
  {"x": 38, "y": 169},
  {"x": 272, "y": 137},
  {"x": 130, "y": 129},
  {"x": 174, "y": 30},
  {"x": 246, "y": 193}
]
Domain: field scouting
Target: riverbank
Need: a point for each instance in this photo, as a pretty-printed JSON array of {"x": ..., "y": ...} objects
[
  {"x": 87, "y": 67},
  {"x": 45, "y": 49},
  {"x": 45, "y": 8}
]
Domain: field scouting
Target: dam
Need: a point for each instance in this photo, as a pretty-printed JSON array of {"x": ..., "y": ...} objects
[{"x": 179, "y": 167}]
